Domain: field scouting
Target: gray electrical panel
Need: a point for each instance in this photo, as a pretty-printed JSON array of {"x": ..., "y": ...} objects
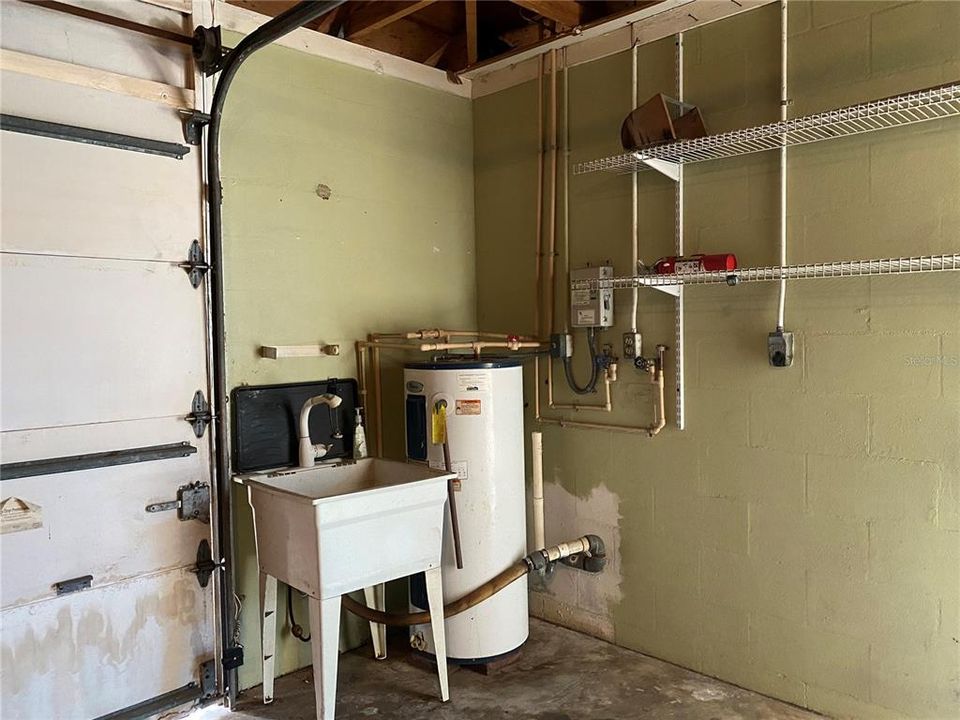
[{"x": 591, "y": 307}]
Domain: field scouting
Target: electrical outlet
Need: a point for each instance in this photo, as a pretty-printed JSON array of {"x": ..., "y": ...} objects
[
  {"x": 780, "y": 348},
  {"x": 561, "y": 345},
  {"x": 632, "y": 345}
]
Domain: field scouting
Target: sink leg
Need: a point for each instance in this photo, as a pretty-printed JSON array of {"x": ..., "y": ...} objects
[
  {"x": 435, "y": 603},
  {"x": 374, "y": 597},
  {"x": 325, "y": 646},
  {"x": 268, "y": 630}
]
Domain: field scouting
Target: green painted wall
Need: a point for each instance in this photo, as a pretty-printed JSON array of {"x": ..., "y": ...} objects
[
  {"x": 800, "y": 537},
  {"x": 391, "y": 249}
]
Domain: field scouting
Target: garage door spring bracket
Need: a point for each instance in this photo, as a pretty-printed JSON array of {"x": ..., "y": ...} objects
[
  {"x": 200, "y": 415},
  {"x": 193, "y": 123},
  {"x": 196, "y": 266}
]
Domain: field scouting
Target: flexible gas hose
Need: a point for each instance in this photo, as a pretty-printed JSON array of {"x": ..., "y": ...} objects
[{"x": 590, "y": 544}]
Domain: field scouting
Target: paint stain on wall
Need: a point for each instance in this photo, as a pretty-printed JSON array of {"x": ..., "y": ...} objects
[{"x": 576, "y": 599}]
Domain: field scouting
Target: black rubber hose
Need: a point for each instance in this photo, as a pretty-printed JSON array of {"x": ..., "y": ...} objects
[{"x": 591, "y": 385}]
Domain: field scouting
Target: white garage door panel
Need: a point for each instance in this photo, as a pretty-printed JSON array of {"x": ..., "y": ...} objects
[
  {"x": 100, "y": 202},
  {"x": 90, "y": 335},
  {"x": 40, "y": 31},
  {"x": 24, "y": 445},
  {"x": 57, "y": 102},
  {"x": 75, "y": 539},
  {"x": 89, "y": 653}
]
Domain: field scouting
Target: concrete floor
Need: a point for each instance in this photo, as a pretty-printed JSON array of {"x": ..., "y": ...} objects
[{"x": 546, "y": 683}]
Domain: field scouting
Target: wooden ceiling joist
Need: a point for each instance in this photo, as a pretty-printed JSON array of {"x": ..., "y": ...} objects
[
  {"x": 373, "y": 16},
  {"x": 565, "y": 12},
  {"x": 472, "y": 47}
]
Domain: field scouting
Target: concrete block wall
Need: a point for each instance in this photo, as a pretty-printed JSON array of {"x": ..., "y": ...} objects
[{"x": 800, "y": 537}]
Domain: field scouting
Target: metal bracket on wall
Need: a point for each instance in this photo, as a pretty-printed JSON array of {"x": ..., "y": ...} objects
[
  {"x": 65, "y": 587},
  {"x": 586, "y": 562},
  {"x": 200, "y": 415},
  {"x": 196, "y": 265},
  {"x": 192, "y": 503},
  {"x": 193, "y": 123},
  {"x": 208, "y": 679},
  {"x": 205, "y": 563}
]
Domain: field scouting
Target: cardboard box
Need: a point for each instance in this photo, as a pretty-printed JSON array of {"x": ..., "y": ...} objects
[{"x": 661, "y": 119}]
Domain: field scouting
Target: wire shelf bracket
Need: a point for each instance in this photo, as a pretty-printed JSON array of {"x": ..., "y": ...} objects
[
  {"x": 840, "y": 268},
  {"x": 914, "y": 107}
]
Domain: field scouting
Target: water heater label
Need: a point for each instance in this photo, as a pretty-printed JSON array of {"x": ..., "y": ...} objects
[
  {"x": 477, "y": 381},
  {"x": 457, "y": 466},
  {"x": 468, "y": 407}
]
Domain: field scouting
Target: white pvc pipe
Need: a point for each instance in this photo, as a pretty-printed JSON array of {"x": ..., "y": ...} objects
[
  {"x": 566, "y": 185},
  {"x": 536, "y": 443},
  {"x": 635, "y": 257},
  {"x": 781, "y": 305}
]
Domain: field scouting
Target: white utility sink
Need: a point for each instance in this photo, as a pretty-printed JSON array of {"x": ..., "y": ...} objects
[{"x": 332, "y": 529}]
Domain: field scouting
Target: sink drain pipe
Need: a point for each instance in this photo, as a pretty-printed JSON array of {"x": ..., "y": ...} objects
[{"x": 537, "y": 561}]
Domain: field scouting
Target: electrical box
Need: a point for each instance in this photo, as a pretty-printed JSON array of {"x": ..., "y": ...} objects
[
  {"x": 780, "y": 348},
  {"x": 591, "y": 307}
]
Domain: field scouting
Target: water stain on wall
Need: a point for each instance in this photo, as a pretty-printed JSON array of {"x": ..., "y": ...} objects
[{"x": 577, "y": 599}]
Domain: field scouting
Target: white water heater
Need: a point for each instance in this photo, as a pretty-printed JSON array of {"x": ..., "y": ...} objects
[{"x": 483, "y": 406}]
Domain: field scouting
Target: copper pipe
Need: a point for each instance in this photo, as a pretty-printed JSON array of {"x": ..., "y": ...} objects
[
  {"x": 377, "y": 397},
  {"x": 475, "y": 346},
  {"x": 606, "y": 406},
  {"x": 439, "y": 334},
  {"x": 538, "y": 240},
  {"x": 360, "y": 351},
  {"x": 649, "y": 430},
  {"x": 552, "y": 254}
]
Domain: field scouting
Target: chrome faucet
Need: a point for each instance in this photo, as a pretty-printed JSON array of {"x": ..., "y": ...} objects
[{"x": 309, "y": 451}]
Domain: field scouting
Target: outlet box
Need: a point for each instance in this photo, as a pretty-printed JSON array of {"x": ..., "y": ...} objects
[
  {"x": 591, "y": 307},
  {"x": 780, "y": 348},
  {"x": 632, "y": 345},
  {"x": 561, "y": 345}
]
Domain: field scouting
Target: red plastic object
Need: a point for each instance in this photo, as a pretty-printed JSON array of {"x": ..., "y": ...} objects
[{"x": 695, "y": 263}]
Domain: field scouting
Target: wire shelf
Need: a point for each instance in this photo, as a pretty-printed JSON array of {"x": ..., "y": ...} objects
[
  {"x": 841, "y": 268},
  {"x": 915, "y": 107}
]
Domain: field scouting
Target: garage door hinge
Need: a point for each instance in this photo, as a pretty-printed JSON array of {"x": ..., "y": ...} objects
[
  {"x": 205, "y": 563},
  {"x": 195, "y": 265},
  {"x": 208, "y": 680},
  {"x": 200, "y": 415}
]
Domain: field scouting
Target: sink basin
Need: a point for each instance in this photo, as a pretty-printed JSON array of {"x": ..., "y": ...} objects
[{"x": 333, "y": 529}]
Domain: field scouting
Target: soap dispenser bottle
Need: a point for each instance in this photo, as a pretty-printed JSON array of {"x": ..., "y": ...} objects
[{"x": 359, "y": 438}]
